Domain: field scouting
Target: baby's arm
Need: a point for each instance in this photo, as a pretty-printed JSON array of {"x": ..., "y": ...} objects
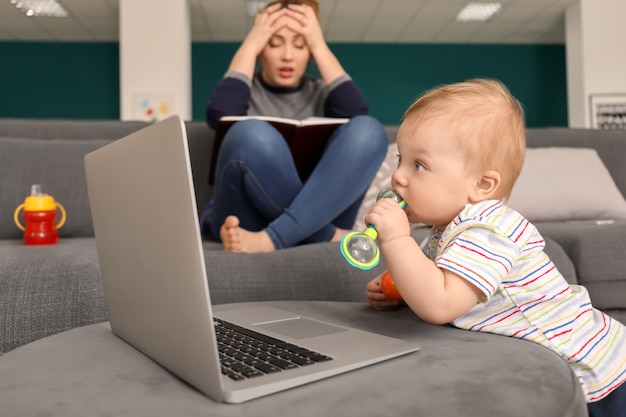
[{"x": 436, "y": 295}]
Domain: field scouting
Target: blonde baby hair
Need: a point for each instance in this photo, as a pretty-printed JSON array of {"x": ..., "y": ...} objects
[{"x": 488, "y": 120}]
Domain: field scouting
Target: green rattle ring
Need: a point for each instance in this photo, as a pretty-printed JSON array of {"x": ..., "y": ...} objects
[{"x": 359, "y": 248}]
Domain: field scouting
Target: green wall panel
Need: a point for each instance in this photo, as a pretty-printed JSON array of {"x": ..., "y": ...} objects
[
  {"x": 392, "y": 75},
  {"x": 81, "y": 80},
  {"x": 59, "y": 80}
]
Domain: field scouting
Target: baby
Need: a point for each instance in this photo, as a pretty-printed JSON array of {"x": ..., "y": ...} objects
[{"x": 461, "y": 148}]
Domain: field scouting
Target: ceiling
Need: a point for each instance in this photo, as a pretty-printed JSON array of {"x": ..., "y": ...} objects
[{"x": 371, "y": 21}]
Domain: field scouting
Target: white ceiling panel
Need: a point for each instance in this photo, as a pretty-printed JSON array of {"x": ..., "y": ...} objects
[
  {"x": 520, "y": 21},
  {"x": 401, "y": 10}
]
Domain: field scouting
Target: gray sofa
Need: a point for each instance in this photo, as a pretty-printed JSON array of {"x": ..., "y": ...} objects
[
  {"x": 52, "y": 288},
  {"x": 48, "y": 289}
]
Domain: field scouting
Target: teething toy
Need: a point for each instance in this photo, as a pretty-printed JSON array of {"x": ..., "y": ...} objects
[
  {"x": 360, "y": 248},
  {"x": 388, "y": 287}
]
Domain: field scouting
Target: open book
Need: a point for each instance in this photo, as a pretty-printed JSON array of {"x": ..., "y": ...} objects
[{"x": 306, "y": 138}]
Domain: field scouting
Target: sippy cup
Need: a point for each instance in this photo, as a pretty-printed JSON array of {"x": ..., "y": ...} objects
[
  {"x": 39, "y": 216},
  {"x": 360, "y": 248}
]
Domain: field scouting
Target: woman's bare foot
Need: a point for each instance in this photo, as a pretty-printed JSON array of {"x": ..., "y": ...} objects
[{"x": 236, "y": 239}]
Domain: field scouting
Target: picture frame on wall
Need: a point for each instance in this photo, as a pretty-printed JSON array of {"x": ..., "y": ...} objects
[{"x": 607, "y": 111}]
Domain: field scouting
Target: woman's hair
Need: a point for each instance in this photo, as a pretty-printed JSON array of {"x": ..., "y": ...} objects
[
  {"x": 488, "y": 121},
  {"x": 312, "y": 3}
]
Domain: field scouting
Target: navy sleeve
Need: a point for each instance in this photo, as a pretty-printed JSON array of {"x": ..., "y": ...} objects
[
  {"x": 231, "y": 97},
  {"x": 346, "y": 100}
]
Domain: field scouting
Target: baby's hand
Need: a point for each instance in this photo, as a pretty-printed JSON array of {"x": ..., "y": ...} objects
[
  {"x": 376, "y": 298},
  {"x": 389, "y": 219}
]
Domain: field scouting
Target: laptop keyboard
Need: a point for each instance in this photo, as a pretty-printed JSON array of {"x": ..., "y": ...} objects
[{"x": 245, "y": 353}]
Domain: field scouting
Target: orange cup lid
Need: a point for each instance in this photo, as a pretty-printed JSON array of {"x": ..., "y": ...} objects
[{"x": 39, "y": 203}]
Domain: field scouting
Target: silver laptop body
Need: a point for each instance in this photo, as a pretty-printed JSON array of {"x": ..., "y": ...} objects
[{"x": 155, "y": 278}]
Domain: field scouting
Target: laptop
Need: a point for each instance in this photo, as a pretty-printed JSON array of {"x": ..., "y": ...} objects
[{"x": 156, "y": 288}]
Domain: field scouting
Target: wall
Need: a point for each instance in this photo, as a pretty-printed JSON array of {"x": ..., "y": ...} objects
[
  {"x": 155, "y": 62},
  {"x": 65, "y": 80},
  {"x": 59, "y": 80},
  {"x": 596, "y": 56}
]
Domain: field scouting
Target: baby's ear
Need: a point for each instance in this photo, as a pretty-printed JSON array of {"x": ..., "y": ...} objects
[{"x": 486, "y": 186}]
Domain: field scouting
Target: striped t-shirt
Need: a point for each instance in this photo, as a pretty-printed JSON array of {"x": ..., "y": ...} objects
[{"x": 525, "y": 296}]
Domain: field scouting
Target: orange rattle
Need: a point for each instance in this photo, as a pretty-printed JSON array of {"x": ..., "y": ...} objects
[{"x": 388, "y": 287}]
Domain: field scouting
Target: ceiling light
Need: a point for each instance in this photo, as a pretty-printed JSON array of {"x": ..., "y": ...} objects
[
  {"x": 478, "y": 12},
  {"x": 40, "y": 8}
]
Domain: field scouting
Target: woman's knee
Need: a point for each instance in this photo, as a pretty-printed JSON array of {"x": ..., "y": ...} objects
[
  {"x": 251, "y": 137},
  {"x": 367, "y": 134}
]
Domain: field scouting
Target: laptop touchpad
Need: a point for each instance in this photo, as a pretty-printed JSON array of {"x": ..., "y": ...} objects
[{"x": 300, "y": 328}]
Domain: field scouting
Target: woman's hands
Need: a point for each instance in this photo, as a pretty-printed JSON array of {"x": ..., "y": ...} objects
[
  {"x": 302, "y": 20},
  {"x": 298, "y": 18},
  {"x": 266, "y": 23}
]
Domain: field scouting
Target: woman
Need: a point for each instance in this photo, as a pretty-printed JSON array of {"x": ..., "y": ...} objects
[{"x": 260, "y": 203}]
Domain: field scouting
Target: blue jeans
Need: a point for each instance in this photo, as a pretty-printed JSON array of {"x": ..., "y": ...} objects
[
  {"x": 256, "y": 180},
  {"x": 613, "y": 405}
]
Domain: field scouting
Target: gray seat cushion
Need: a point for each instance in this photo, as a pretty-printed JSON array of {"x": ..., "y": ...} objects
[
  {"x": 456, "y": 373},
  {"x": 597, "y": 251},
  {"x": 48, "y": 289}
]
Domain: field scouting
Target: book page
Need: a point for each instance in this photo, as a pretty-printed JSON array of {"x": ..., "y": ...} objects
[
  {"x": 266, "y": 118},
  {"x": 323, "y": 121},
  {"x": 304, "y": 122}
]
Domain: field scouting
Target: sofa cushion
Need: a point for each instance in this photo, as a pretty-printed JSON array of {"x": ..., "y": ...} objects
[
  {"x": 69, "y": 132},
  {"x": 610, "y": 145},
  {"x": 48, "y": 289},
  {"x": 566, "y": 184},
  {"x": 55, "y": 164},
  {"x": 288, "y": 274},
  {"x": 597, "y": 251},
  {"x": 74, "y": 129}
]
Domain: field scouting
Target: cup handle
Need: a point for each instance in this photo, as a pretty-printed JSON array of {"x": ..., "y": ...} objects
[
  {"x": 16, "y": 218},
  {"x": 63, "y": 216}
]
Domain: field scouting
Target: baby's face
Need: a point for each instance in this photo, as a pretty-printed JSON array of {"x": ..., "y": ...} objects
[{"x": 432, "y": 174}]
